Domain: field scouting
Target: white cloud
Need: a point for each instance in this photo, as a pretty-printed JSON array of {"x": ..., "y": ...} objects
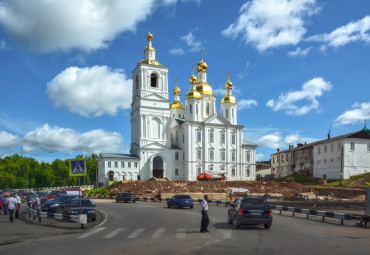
[
  {"x": 2, "y": 45},
  {"x": 178, "y": 51},
  {"x": 352, "y": 32},
  {"x": 89, "y": 91},
  {"x": 194, "y": 45},
  {"x": 358, "y": 114},
  {"x": 57, "y": 139},
  {"x": 8, "y": 140},
  {"x": 272, "y": 23},
  {"x": 299, "y": 52},
  {"x": 44, "y": 26},
  {"x": 310, "y": 91},
  {"x": 260, "y": 157},
  {"x": 271, "y": 141},
  {"x": 246, "y": 104}
]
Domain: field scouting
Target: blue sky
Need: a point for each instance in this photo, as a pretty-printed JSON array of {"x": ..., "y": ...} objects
[{"x": 298, "y": 68}]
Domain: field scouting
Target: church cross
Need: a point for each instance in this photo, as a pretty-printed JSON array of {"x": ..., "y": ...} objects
[
  {"x": 201, "y": 52},
  {"x": 176, "y": 82},
  {"x": 228, "y": 75}
]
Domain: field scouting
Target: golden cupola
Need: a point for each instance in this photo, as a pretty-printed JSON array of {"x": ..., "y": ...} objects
[
  {"x": 202, "y": 86},
  {"x": 149, "y": 52},
  {"x": 176, "y": 102},
  {"x": 193, "y": 93},
  {"x": 228, "y": 98}
]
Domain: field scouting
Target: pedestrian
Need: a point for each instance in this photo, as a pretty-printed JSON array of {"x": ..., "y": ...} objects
[
  {"x": 1, "y": 203},
  {"x": 12, "y": 206},
  {"x": 5, "y": 205},
  {"x": 17, "y": 197},
  {"x": 205, "y": 220}
]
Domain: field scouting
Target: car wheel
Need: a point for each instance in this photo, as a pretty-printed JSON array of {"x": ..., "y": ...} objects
[
  {"x": 93, "y": 219},
  {"x": 117, "y": 201},
  {"x": 229, "y": 219},
  {"x": 236, "y": 224},
  {"x": 191, "y": 207},
  {"x": 178, "y": 206},
  {"x": 133, "y": 201},
  {"x": 60, "y": 210},
  {"x": 267, "y": 226},
  {"x": 168, "y": 205}
]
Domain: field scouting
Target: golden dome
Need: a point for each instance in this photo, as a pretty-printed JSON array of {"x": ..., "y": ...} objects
[
  {"x": 149, "y": 47},
  {"x": 228, "y": 84},
  {"x": 176, "y": 91},
  {"x": 149, "y": 36},
  {"x": 193, "y": 79},
  {"x": 176, "y": 104},
  {"x": 150, "y": 62},
  {"x": 202, "y": 66},
  {"x": 193, "y": 94},
  {"x": 204, "y": 88},
  {"x": 228, "y": 99}
]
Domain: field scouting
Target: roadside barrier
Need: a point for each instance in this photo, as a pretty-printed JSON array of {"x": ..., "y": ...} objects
[
  {"x": 59, "y": 216},
  {"x": 362, "y": 220}
]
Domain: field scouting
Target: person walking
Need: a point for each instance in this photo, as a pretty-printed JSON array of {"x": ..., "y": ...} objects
[
  {"x": 5, "y": 204},
  {"x": 1, "y": 203},
  {"x": 205, "y": 220},
  {"x": 18, "y": 198},
  {"x": 12, "y": 205}
]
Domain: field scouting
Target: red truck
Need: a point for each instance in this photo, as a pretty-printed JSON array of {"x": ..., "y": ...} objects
[{"x": 211, "y": 177}]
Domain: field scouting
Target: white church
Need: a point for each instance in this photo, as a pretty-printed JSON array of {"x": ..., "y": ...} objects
[{"x": 176, "y": 142}]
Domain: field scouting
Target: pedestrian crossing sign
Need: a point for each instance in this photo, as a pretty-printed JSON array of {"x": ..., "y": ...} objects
[{"x": 77, "y": 167}]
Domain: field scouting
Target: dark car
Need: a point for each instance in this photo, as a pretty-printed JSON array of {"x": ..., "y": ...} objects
[
  {"x": 250, "y": 211},
  {"x": 180, "y": 201},
  {"x": 58, "y": 204},
  {"x": 125, "y": 197},
  {"x": 72, "y": 207},
  {"x": 49, "y": 196}
]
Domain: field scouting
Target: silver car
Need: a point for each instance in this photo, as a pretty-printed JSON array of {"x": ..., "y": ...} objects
[{"x": 250, "y": 211}]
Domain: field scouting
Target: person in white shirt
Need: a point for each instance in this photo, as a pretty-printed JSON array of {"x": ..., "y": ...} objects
[
  {"x": 205, "y": 220},
  {"x": 12, "y": 205},
  {"x": 17, "y": 197}
]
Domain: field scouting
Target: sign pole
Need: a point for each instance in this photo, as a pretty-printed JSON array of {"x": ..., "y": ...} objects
[{"x": 79, "y": 193}]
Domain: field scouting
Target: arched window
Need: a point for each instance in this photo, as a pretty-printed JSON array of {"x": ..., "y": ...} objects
[
  {"x": 233, "y": 172},
  {"x": 227, "y": 113},
  {"x": 110, "y": 176},
  {"x": 232, "y": 112},
  {"x": 196, "y": 109},
  {"x": 191, "y": 109},
  {"x": 153, "y": 80},
  {"x": 207, "y": 108},
  {"x": 137, "y": 82}
]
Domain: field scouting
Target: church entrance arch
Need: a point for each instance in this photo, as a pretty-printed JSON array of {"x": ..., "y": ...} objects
[{"x": 158, "y": 167}]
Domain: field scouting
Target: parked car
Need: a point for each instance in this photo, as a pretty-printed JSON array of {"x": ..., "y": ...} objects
[
  {"x": 57, "y": 204},
  {"x": 70, "y": 192},
  {"x": 250, "y": 211},
  {"x": 180, "y": 201},
  {"x": 125, "y": 197},
  {"x": 51, "y": 195},
  {"x": 72, "y": 207}
]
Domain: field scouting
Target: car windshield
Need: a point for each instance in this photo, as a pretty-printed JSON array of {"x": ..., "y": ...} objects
[
  {"x": 255, "y": 203},
  {"x": 53, "y": 193},
  {"x": 185, "y": 197},
  {"x": 84, "y": 203}
]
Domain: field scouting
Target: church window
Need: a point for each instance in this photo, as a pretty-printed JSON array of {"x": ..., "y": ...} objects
[
  {"x": 137, "y": 82},
  {"x": 199, "y": 136},
  {"x": 247, "y": 156},
  {"x": 129, "y": 164},
  {"x": 233, "y": 138},
  {"x": 211, "y": 136},
  {"x": 222, "y": 137},
  {"x": 109, "y": 164},
  {"x": 222, "y": 155},
  {"x": 233, "y": 172},
  {"x": 177, "y": 172},
  {"x": 196, "y": 109},
  {"x": 123, "y": 164},
  {"x": 210, "y": 168},
  {"x": 153, "y": 80},
  {"x": 232, "y": 155},
  {"x": 232, "y": 112},
  {"x": 191, "y": 109},
  {"x": 207, "y": 108},
  {"x": 177, "y": 136},
  {"x": 211, "y": 155},
  {"x": 176, "y": 156},
  {"x": 135, "y": 164},
  {"x": 199, "y": 154},
  {"x": 115, "y": 164},
  {"x": 199, "y": 169},
  {"x": 247, "y": 172},
  {"x": 227, "y": 113}
]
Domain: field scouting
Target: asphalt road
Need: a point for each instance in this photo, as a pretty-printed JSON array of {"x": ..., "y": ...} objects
[{"x": 152, "y": 228}]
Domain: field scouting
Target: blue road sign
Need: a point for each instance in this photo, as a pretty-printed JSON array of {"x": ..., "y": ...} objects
[{"x": 77, "y": 167}]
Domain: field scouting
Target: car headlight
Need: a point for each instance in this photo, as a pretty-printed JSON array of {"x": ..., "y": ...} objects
[{"x": 54, "y": 205}]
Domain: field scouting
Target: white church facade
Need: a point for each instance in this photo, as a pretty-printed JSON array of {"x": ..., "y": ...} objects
[{"x": 177, "y": 142}]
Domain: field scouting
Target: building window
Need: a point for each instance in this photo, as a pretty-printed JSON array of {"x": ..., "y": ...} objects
[
  {"x": 211, "y": 136},
  {"x": 273, "y": 160},
  {"x": 177, "y": 172},
  {"x": 247, "y": 172},
  {"x": 191, "y": 109},
  {"x": 129, "y": 164},
  {"x": 135, "y": 164},
  {"x": 199, "y": 136},
  {"x": 199, "y": 154},
  {"x": 176, "y": 156},
  {"x": 137, "y": 82},
  {"x": 233, "y": 172},
  {"x": 211, "y": 155},
  {"x": 123, "y": 164},
  {"x": 227, "y": 113},
  {"x": 115, "y": 164},
  {"x": 352, "y": 146},
  {"x": 233, "y": 138},
  {"x": 232, "y": 155},
  {"x": 286, "y": 157},
  {"x": 247, "y": 156},
  {"x": 196, "y": 109},
  {"x": 222, "y": 137},
  {"x": 325, "y": 149},
  {"x": 319, "y": 150},
  {"x": 207, "y": 108},
  {"x": 199, "y": 170},
  {"x": 222, "y": 155},
  {"x": 109, "y": 164},
  {"x": 153, "y": 80}
]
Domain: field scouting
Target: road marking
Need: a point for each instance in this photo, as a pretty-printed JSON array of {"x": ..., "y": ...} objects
[
  {"x": 226, "y": 232},
  {"x": 92, "y": 232},
  {"x": 105, "y": 218},
  {"x": 158, "y": 233},
  {"x": 136, "y": 233},
  {"x": 114, "y": 232},
  {"x": 181, "y": 233}
]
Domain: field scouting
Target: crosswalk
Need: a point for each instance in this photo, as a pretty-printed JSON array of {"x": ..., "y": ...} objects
[{"x": 180, "y": 233}]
